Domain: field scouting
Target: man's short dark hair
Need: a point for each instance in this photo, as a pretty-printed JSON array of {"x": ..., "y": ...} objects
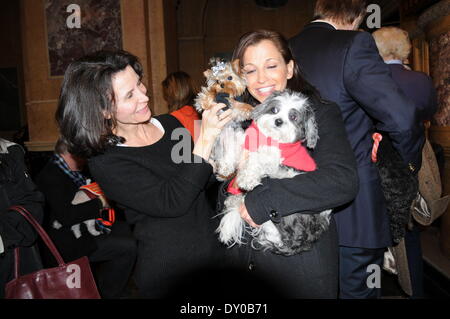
[{"x": 340, "y": 11}]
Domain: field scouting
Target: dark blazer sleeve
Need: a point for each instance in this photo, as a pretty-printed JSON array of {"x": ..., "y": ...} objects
[
  {"x": 147, "y": 193},
  {"x": 368, "y": 80},
  {"x": 334, "y": 183},
  {"x": 14, "y": 229}
]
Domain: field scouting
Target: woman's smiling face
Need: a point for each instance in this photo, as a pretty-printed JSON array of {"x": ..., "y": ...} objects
[
  {"x": 131, "y": 100},
  {"x": 265, "y": 69}
]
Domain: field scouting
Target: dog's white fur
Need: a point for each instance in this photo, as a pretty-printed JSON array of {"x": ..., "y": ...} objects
[
  {"x": 227, "y": 149},
  {"x": 295, "y": 122}
]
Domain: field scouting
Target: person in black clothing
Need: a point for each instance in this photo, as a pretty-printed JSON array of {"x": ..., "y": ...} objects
[
  {"x": 74, "y": 226},
  {"x": 17, "y": 188},
  {"x": 142, "y": 164},
  {"x": 268, "y": 66}
]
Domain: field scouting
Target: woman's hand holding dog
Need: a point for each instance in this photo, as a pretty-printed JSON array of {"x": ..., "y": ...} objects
[
  {"x": 245, "y": 216},
  {"x": 212, "y": 123}
]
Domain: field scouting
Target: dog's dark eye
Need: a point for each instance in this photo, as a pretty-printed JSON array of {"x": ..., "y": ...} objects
[
  {"x": 230, "y": 78},
  {"x": 274, "y": 110}
]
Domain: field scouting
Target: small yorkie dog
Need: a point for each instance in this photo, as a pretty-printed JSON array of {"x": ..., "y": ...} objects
[
  {"x": 273, "y": 148},
  {"x": 224, "y": 84}
]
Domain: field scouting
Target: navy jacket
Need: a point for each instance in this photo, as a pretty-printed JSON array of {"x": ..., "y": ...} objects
[
  {"x": 346, "y": 68},
  {"x": 419, "y": 87}
]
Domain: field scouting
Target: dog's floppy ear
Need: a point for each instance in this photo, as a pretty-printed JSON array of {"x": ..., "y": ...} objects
[
  {"x": 261, "y": 109},
  {"x": 236, "y": 65},
  {"x": 311, "y": 132},
  {"x": 258, "y": 110}
]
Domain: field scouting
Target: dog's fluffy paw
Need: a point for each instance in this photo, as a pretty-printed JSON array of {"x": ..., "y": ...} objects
[
  {"x": 247, "y": 181},
  {"x": 225, "y": 169},
  {"x": 264, "y": 162},
  {"x": 268, "y": 234},
  {"x": 232, "y": 226},
  {"x": 227, "y": 149},
  {"x": 269, "y": 158}
]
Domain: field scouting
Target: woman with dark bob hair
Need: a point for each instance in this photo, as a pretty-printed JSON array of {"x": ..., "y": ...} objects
[
  {"x": 103, "y": 115},
  {"x": 268, "y": 66}
]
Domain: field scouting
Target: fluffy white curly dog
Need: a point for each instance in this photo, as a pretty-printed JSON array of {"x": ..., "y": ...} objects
[{"x": 274, "y": 148}]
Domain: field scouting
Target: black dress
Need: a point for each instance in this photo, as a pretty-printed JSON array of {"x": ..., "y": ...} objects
[{"x": 166, "y": 202}]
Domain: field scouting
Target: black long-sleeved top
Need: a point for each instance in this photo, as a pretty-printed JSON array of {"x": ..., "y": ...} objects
[
  {"x": 147, "y": 182},
  {"x": 165, "y": 200}
]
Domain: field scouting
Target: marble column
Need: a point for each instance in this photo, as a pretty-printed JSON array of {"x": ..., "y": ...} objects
[
  {"x": 435, "y": 22},
  {"x": 142, "y": 26}
]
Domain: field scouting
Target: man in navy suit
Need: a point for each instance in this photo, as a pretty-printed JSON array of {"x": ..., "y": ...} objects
[
  {"x": 344, "y": 65},
  {"x": 394, "y": 47}
]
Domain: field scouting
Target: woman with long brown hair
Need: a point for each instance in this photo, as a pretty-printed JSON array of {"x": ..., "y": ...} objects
[{"x": 268, "y": 66}]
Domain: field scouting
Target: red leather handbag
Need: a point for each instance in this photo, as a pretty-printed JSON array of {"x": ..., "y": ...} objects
[{"x": 72, "y": 280}]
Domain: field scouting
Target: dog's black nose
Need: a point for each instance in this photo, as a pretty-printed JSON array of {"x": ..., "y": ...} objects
[
  {"x": 222, "y": 85},
  {"x": 278, "y": 122}
]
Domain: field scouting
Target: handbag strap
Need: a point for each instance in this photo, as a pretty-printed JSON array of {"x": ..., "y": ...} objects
[
  {"x": 16, "y": 262},
  {"x": 42, "y": 233}
]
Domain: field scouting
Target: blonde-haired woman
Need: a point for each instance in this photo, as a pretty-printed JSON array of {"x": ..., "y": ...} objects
[
  {"x": 394, "y": 47},
  {"x": 393, "y": 43}
]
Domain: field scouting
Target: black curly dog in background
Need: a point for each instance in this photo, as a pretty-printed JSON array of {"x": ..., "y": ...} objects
[{"x": 400, "y": 187}]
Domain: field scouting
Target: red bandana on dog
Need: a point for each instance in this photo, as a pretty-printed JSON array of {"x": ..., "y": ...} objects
[{"x": 294, "y": 155}]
